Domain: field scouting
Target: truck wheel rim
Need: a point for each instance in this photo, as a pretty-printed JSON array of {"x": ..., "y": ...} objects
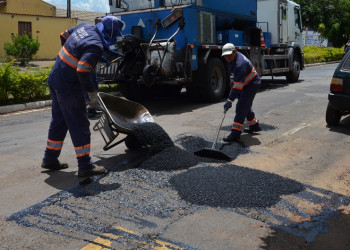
[{"x": 216, "y": 80}]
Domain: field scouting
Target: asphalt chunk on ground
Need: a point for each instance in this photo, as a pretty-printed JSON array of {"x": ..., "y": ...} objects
[{"x": 233, "y": 186}]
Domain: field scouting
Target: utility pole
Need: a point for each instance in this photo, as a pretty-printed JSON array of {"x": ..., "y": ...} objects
[{"x": 68, "y": 9}]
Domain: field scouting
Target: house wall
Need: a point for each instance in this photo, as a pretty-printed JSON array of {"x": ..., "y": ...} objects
[
  {"x": 46, "y": 29},
  {"x": 29, "y": 7}
]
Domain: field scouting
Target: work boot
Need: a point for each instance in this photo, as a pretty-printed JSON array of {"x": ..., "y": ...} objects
[
  {"x": 56, "y": 165},
  {"x": 94, "y": 170},
  {"x": 233, "y": 137},
  {"x": 253, "y": 128},
  {"x": 92, "y": 112}
]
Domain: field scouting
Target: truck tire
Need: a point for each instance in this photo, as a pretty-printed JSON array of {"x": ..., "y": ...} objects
[
  {"x": 212, "y": 85},
  {"x": 333, "y": 116},
  {"x": 293, "y": 76}
]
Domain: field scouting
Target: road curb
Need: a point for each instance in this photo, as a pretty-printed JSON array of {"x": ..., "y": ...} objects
[
  {"x": 321, "y": 63},
  {"x": 23, "y": 107}
]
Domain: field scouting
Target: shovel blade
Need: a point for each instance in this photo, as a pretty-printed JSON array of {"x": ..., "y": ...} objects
[{"x": 213, "y": 154}]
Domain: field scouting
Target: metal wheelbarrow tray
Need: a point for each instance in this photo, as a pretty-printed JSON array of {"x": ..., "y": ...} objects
[{"x": 117, "y": 115}]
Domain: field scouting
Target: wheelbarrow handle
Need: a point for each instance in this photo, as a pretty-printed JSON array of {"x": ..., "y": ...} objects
[{"x": 217, "y": 133}]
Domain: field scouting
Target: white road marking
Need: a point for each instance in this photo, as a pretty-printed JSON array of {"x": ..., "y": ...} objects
[{"x": 294, "y": 130}]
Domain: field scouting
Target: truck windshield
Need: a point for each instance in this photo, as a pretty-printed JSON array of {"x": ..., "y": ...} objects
[{"x": 130, "y": 5}]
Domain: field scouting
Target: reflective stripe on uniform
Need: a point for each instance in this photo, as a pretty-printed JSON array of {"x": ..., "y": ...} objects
[
  {"x": 84, "y": 67},
  {"x": 252, "y": 122},
  {"x": 72, "y": 61},
  {"x": 54, "y": 145},
  {"x": 238, "y": 85},
  {"x": 83, "y": 150},
  {"x": 250, "y": 76},
  {"x": 65, "y": 34},
  {"x": 237, "y": 126},
  {"x": 247, "y": 79},
  {"x": 68, "y": 58}
]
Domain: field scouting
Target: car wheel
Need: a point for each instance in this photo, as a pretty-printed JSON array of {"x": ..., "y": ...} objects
[{"x": 332, "y": 116}]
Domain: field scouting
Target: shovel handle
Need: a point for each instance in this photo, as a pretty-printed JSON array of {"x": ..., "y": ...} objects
[{"x": 217, "y": 133}]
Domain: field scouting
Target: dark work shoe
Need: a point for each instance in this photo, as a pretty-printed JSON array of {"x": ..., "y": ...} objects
[
  {"x": 54, "y": 165},
  {"x": 253, "y": 129},
  {"x": 94, "y": 170},
  {"x": 233, "y": 137}
]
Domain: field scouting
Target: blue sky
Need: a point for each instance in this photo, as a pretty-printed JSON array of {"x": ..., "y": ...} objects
[{"x": 90, "y": 5}]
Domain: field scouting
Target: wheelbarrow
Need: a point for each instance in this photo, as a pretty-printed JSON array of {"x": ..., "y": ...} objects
[{"x": 117, "y": 115}]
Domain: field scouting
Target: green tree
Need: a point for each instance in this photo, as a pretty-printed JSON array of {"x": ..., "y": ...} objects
[
  {"x": 331, "y": 18},
  {"x": 22, "y": 48}
]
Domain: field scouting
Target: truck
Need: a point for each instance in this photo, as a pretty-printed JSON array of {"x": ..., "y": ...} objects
[{"x": 169, "y": 45}]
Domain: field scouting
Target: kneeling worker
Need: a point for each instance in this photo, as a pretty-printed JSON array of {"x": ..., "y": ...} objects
[{"x": 245, "y": 83}]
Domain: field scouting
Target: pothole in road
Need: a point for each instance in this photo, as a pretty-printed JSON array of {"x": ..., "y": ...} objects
[{"x": 168, "y": 187}]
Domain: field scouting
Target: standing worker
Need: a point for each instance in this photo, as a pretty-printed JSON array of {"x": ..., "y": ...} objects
[
  {"x": 245, "y": 83},
  {"x": 69, "y": 80}
]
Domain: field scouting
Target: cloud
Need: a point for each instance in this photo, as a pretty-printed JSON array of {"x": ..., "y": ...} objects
[
  {"x": 90, "y": 5},
  {"x": 93, "y": 5}
]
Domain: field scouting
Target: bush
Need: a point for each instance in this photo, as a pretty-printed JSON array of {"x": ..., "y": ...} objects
[
  {"x": 22, "y": 48},
  {"x": 314, "y": 54},
  {"x": 20, "y": 87},
  {"x": 30, "y": 86},
  {"x": 8, "y": 77}
]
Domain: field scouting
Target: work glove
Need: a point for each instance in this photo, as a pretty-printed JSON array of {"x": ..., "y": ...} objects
[
  {"x": 93, "y": 101},
  {"x": 228, "y": 105}
]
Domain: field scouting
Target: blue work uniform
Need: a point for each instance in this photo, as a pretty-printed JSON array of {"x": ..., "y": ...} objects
[
  {"x": 245, "y": 83},
  {"x": 69, "y": 80}
]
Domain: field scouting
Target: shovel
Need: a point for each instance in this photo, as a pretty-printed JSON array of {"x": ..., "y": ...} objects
[{"x": 213, "y": 152}]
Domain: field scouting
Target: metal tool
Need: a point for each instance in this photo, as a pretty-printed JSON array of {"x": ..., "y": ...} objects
[{"x": 213, "y": 152}]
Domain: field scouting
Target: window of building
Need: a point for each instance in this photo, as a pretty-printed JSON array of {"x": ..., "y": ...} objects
[{"x": 25, "y": 28}]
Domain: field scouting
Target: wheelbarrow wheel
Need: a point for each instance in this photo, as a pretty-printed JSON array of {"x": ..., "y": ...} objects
[{"x": 131, "y": 142}]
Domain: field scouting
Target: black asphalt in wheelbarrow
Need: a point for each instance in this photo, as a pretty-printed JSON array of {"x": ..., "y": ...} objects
[{"x": 119, "y": 114}]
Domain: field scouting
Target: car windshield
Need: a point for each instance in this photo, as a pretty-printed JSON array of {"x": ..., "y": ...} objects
[{"x": 346, "y": 63}]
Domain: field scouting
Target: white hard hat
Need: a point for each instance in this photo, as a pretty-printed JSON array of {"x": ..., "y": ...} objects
[{"x": 227, "y": 49}]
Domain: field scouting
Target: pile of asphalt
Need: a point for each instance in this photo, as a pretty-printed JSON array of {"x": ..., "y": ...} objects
[
  {"x": 233, "y": 186},
  {"x": 163, "y": 153},
  {"x": 171, "y": 158},
  {"x": 152, "y": 135}
]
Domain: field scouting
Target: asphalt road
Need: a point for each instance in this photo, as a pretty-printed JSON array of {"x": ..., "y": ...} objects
[{"x": 287, "y": 187}]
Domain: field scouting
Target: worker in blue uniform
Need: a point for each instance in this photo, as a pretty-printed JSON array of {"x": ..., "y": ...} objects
[
  {"x": 245, "y": 83},
  {"x": 69, "y": 80}
]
